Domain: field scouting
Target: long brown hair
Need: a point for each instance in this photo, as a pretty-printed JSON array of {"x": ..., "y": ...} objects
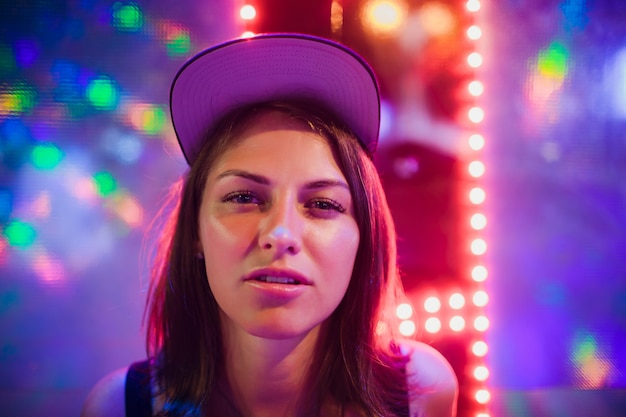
[{"x": 356, "y": 363}]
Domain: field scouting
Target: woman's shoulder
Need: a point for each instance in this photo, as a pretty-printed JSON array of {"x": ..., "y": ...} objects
[
  {"x": 106, "y": 398},
  {"x": 432, "y": 383}
]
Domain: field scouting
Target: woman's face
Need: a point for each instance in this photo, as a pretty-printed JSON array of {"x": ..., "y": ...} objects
[{"x": 277, "y": 230}]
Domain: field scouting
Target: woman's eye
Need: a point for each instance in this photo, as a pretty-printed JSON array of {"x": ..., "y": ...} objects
[
  {"x": 242, "y": 197},
  {"x": 327, "y": 204}
]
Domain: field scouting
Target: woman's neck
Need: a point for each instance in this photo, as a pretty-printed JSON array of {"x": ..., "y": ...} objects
[{"x": 268, "y": 377}]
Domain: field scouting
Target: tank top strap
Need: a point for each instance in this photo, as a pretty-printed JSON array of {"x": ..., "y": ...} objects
[{"x": 138, "y": 390}]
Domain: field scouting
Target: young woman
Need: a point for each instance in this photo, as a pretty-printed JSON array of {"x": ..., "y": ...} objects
[{"x": 278, "y": 266}]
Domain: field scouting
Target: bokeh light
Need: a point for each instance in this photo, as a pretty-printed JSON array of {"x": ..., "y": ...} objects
[
  {"x": 247, "y": 12},
  {"x": 407, "y": 328},
  {"x": 478, "y": 221},
  {"x": 404, "y": 311},
  {"x": 127, "y": 17},
  {"x": 432, "y": 304},
  {"x": 102, "y": 93},
  {"x": 481, "y": 323},
  {"x": 178, "y": 42},
  {"x": 20, "y": 234},
  {"x": 479, "y": 273},
  {"x": 432, "y": 325},
  {"x": 457, "y": 323},
  {"x": 482, "y": 396},
  {"x": 148, "y": 118},
  {"x": 481, "y": 373},
  {"x": 476, "y": 141},
  {"x": 553, "y": 61},
  {"x": 16, "y": 99},
  {"x": 478, "y": 246},
  {"x": 105, "y": 183},
  {"x": 384, "y": 17},
  {"x": 480, "y": 348},
  {"x": 480, "y": 298},
  {"x": 477, "y": 195},
  {"x": 46, "y": 156},
  {"x": 456, "y": 301}
]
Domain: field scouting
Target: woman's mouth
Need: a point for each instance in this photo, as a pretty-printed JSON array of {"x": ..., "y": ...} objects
[{"x": 277, "y": 280}]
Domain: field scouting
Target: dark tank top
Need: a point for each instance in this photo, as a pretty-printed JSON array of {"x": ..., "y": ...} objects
[{"x": 137, "y": 392}]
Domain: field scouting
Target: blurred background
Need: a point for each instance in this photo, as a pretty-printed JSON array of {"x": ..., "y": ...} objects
[{"x": 503, "y": 154}]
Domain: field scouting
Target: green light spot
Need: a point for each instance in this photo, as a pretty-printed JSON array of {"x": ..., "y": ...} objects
[
  {"x": 179, "y": 44},
  {"x": 552, "y": 62},
  {"x": 7, "y": 60},
  {"x": 101, "y": 93},
  {"x": 127, "y": 17},
  {"x": 105, "y": 183},
  {"x": 17, "y": 99},
  {"x": 19, "y": 234},
  {"x": 585, "y": 347},
  {"x": 46, "y": 156},
  {"x": 153, "y": 120}
]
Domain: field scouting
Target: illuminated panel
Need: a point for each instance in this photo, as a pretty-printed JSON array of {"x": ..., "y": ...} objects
[{"x": 477, "y": 221}]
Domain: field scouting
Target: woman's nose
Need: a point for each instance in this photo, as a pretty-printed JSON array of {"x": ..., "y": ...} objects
[{"x": 281, "y": 232}]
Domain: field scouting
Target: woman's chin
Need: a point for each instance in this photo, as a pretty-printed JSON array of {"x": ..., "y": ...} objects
[{"x": 275, "y": 330}]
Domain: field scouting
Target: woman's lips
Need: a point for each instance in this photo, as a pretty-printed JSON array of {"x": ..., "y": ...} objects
[
  {"x": 278, "y": 285},
  {"x": 278, "y": 276},
  {"x": 277, "y": 280}
]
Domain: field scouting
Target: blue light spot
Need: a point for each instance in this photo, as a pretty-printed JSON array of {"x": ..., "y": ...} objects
[
  {"x": 575, "y": 13},
  {"x": 26, "y": 53},
  {"x": 6, "y": 204}
]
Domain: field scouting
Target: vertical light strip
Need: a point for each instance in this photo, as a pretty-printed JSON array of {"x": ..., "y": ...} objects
[
  {"x": 477, "y": 219},
  {"x": 247, "y": 14}
]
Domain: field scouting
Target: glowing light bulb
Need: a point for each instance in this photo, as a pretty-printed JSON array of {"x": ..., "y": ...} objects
[
  {"x": 482, "y": 396},
  {"x": 457, "y": 323},
  {"x": 407, "y": 328},
  {"x": 479, "y": 273},
  {"x": 456, "y": 301},
  {"x": 474, "y": 32},
  {"x": 476, "y": 141},
  {"x": 476, "y": 88},
  {"x": 472, "y": 5},
  {"x": 477, "y": 195},
  {"x": 478, "y": 246},
  {"x": 476, "y": 169},
  {"x": 432, "y": 325},
  {"x": 432, "y": 304},
  {"x": 480, "y": 348},
  {"x": 481, "y": 373},
  {"x": 476, "y": 115},
  {"x": 404, "y": 311},
  {"x": 481, "y": 323},
  {"x": 478, "y": 221},
  {"x": 480, "y": 298},
  {"x": 384, "y": 16},
  {"x": 247, "y": 12},
  {"x": 474, "y": 60}
]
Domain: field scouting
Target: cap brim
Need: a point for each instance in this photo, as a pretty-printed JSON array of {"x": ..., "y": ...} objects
[{"x": 273, "y": 67}]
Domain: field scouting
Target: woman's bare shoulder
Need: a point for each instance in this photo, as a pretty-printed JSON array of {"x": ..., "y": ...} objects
[
  {"x": 433, "y": 385},
  {"x": 106, "y": 398}
]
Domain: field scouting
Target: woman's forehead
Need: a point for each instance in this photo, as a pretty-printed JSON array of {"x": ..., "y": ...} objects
[{"x": 280, "y": 148}]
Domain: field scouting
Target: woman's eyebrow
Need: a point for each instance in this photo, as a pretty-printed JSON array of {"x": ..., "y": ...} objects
[
  {"x": 260, "y": 179},
  {"x": 325, "y": 183}
]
